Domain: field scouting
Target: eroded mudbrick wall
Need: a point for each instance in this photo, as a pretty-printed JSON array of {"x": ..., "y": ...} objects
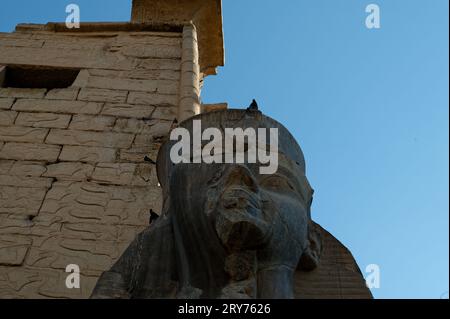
[{"x": 74, "y": 187}]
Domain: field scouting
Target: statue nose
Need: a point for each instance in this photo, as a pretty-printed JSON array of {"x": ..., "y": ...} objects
[
  {"x": 240, "y": 176},
  {"x": 240, "y": 198},
  {"x": 241, "y": 190},
  {"x": 240, "y": 224}
]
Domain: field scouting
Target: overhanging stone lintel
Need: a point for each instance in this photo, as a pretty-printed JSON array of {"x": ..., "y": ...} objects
[{"x": 206, "y": 15}]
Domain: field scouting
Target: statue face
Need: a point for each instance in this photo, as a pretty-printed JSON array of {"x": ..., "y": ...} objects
[
  {"x": 246, "y": 210},
  {"x": 237, "y": 223},
  {"x": 263, "y": 212}
]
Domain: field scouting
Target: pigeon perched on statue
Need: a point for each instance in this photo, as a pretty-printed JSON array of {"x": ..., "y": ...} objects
[
  {"x": 153, "y": 217},
  {"x": 149, "y": 160},
  {"x": 253, "y": 106}
]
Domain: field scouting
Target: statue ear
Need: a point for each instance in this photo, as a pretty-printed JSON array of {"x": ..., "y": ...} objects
[{"x": 311, "y": 256}]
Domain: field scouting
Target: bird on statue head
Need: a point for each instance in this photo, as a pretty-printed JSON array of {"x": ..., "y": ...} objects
[
  {"x": 253, "y": 106},
  {"x": 149, "y": 160},
  {"x": 153, "y": 217}
]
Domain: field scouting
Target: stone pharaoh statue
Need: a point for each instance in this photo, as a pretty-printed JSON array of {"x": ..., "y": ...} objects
[{"x": 226, "y": 230}]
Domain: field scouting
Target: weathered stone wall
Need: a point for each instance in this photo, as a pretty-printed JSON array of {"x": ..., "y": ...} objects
[{"x": 74, "y": 187}]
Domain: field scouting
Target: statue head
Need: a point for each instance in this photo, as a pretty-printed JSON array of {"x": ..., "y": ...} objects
[{"x": 240, "y": 229}]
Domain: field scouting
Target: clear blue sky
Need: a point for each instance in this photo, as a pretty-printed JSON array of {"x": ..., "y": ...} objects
[{"x": 369, "y": 108}]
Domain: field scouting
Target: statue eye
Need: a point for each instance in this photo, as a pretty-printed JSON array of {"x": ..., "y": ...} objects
[{"x": 277, "y": 183}]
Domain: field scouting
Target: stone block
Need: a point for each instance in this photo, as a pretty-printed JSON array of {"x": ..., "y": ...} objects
[
  {"x": 46, "y": 120},
  {"x": 122, "y": 84},
  {"x": 7, "y": 117},
  {"x": 6, "y": 103},
  {"x": 42, "y": 283},
  {"x": 92, "y": 123},
  {"x": 17, "y": 202},
  {"x": 14, "y": 42},
  {"x": 144, "y": 98},
  {"x": 88, "y": 138},
  {"x": 58, "y": 106},
  {"x": 127, "y": 110},
  {"x": 127, "y": 84},
  {"x": 102, "y": 95},
  {"x": 123, "y": 174},
  {"x": 19, "y": 225},
  {"x": 159, "y": 64},
  {"x": 58, "y": 252},
  {"x": 88, "y": 231},
  {"x": 22, "y": 93},
  {"x": 148, "y": 127},
  {"x": 137, "y": 154},
  {"x": 88, "y": 154},
  {"x": 165, "y": 113},
  {"x": 13, "y": 249},
  {"x": 27, "y": 168},
  {"x": 72, "y": 171},
  {"x": 22, "y": 181},
  {"x": 5, "y": 166},
  {"x": 114, "y": 173},
  {"x": 30, "y": 152},
  {"x": 140, "y": 74},
  {"x": 152, "y": 51},
  {"x": 22, "y": 134},
  {"x": 63, "y": 94}
]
